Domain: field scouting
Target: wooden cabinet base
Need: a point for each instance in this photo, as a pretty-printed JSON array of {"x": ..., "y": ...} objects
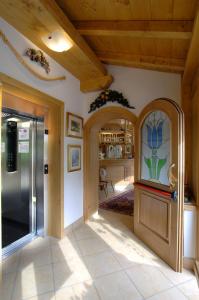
[{"x": 119, "y": 169}]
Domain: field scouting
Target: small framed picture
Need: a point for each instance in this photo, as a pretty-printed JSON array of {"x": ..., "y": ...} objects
[
  {"x": 74, "y": 158},
  {"x": 74, "y": 125},
  {"x": 128, "y": 148}
]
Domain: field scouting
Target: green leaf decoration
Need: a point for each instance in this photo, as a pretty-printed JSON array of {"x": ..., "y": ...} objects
[
  {"x": 148, "y": 163},
  {"x": 109, "y": 96},
  {"x": 161, "y": 164}
]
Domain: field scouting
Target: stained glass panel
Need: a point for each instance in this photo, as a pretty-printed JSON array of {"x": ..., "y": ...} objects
[{"x": 156, "y": 148}]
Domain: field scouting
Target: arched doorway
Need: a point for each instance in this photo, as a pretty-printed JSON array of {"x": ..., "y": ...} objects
[{"x": 91, "y": 146}]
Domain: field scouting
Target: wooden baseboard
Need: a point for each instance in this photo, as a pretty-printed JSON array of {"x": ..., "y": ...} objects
[
  {"x": 188, "y": 263},
  {"x": 196, "y": 270}
]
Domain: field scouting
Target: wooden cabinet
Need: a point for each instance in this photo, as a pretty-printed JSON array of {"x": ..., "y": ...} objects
[
  {"x": 119, "y": 169},
  {"x": 190, "y": 230}
]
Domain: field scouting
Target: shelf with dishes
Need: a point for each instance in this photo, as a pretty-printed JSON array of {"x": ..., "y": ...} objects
[{"x": 116, "y": 143}]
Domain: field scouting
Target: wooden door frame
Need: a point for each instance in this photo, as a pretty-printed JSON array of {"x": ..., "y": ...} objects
[
  {"x": 24, "y": 98},
  {"x": 91, "y": 150}
]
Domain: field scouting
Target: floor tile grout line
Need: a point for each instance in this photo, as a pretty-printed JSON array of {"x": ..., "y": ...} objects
[
  {"x": 81, "y": 257},
  {"x": 50, "y": 291},
  {"x": 17, "y": 264},
  {"x": 181, "y": 292},
  {"x": 14, "y": 284},
  {"x": 186, "y": 281},
  {"x": 174, "y": 284},
  {"x": 100, "y": 276},
  {"x": 163, "y": 291},
  {"x": 97, "y": 292},
  {"x": 93, "y": 279},
  {"x": 123, "y": 268},
  {"x": 134, "y": 284},
  {"x": 52, "y": 271},
  {"x": 38, "y": 295},
  {"x": 177, "y": 286},
  {"x": 20, "y": 268},
  {"x": 16, "y": 274},
  {"x": 75, "y": 284},
  {"x": 118, "y": 271},
  {"x": 96, "y": 253}
]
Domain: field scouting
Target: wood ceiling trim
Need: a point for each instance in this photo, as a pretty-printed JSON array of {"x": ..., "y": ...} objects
[
  {"x": 136, "y": 29},
  {"x": 37, "y": 18},
  {"x": 143, "y": 61},
  {"x": 96, "y": 84},
  {"x": 192, "y": 61}
]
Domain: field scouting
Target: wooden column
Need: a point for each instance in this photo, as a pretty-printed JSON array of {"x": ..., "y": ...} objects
[{"x": 186, "y": 107}]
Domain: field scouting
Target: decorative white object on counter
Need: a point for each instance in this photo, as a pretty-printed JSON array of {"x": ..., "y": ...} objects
[
  {"x": 118, "y": 151},
  {"x": 110, "y": 151}
]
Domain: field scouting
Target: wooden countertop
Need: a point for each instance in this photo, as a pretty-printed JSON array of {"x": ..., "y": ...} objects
[
  {"x": 116, "y": 159},
  {"x": 190, "y": 206}
]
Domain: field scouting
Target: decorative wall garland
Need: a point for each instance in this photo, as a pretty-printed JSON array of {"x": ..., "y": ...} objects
[
  {"x": 39, "y": 57},
  {"x": 109, "y": 96},
  {"x": 22, "y": 61}
]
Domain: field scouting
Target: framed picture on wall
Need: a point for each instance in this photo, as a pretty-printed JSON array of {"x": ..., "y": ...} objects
[
  {"x": 128, "y": 148},
  {"x": 74, "y": 125},
  {"x": 74, "y": 158}
]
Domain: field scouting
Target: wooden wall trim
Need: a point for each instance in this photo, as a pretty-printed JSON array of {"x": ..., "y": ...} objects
[
  {"x": 91, "y": 159},
  {"x": 186, "y": 107},
  {"x": 190, "y": 105},
  {"x": 53, "y": 111},
  {"x": 192, "y": 60},
  {"x": 188, "y": 263}
]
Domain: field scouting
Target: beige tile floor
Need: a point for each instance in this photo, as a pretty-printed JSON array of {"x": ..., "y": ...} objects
[{"x": 98, "y": 260}]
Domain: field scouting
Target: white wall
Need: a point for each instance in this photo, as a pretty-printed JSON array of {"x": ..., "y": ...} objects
[
  {"x": 67, "y": 91},
  {"x": 140, "y": 87},
  {"x": 190, "y": 224}
]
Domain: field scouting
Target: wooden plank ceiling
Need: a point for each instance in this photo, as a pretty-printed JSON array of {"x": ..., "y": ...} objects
[{"x": 151, "y": 34}]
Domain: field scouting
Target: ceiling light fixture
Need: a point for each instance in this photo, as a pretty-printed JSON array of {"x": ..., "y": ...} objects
[
  {"x": 13, "y": 119},
  {"x": 57, "y": 41}
]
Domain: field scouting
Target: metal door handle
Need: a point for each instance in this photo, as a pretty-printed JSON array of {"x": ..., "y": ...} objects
[{"x": 171, "y": 177}]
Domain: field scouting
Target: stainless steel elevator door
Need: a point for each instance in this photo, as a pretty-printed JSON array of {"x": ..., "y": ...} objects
[{"x": 22, "y": 154}]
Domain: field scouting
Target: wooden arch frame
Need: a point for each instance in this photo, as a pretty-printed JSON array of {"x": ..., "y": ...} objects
[
  {"x": 91, "y": 145},
  {"x": 21, "y": 97}
]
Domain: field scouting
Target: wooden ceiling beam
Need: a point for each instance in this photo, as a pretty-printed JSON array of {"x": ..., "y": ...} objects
[
  {"x": 35, "y": 19},
  {"x": 68, "y": 27},
  {"x": 192, "y": 60},
  {"x": 96, "y": 84},
  {"x": 143, "y": 62},
  {"x": 136, "y": 29}
]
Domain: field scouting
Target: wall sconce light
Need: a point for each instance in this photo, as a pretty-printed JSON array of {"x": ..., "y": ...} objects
[{"x": 57, "y": 41}]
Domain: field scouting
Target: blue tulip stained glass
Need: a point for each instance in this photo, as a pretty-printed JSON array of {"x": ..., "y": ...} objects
[{"x": 155, "y": 148}]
